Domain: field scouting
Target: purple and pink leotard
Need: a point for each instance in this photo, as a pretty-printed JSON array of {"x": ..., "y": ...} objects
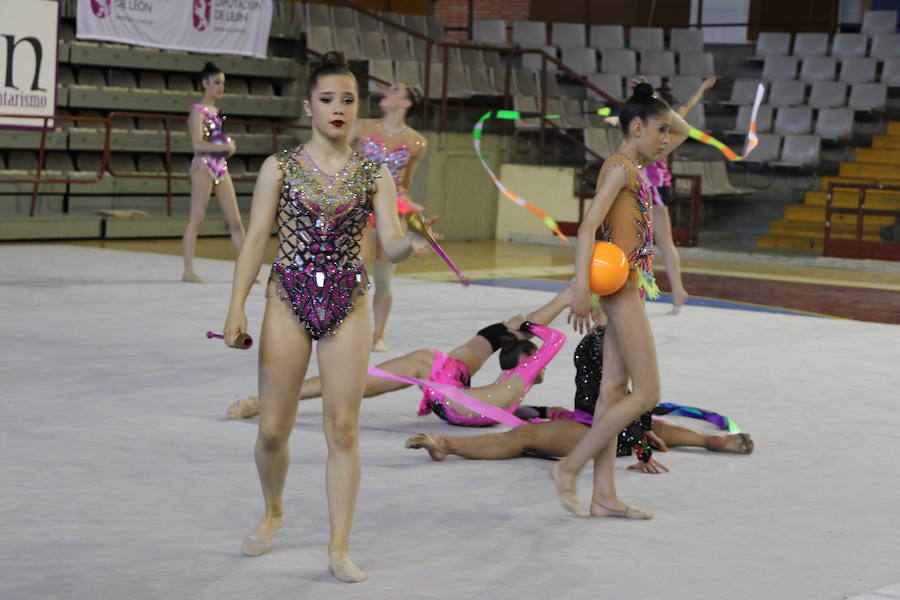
[
  {"x": 321, "y": 219},
  {"x": 659, "y": 177},
  {"x": 446, "y": 369},
  {"x": 396, "y": 159},
  {"x": 215, "y": 163}
]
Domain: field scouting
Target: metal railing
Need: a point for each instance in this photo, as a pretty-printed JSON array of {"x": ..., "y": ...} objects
[
  {"x": 39, "y": 178},
  {"x": 858, "y": 248}
]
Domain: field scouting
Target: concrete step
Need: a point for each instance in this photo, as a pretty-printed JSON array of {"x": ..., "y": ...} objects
[
  {"x": 792, "y": 242},
  {"x": 886, "y": 141},
  {"x": 893, "y": 128},
  {"x": 823, "y": 183},
  {"x": 871, "y": 171},
  {"x": 809, "y": 229},
  {"x": 878, "y": 155},
  {"x": 843, "y": 198},
  {"x": 816, "y": 214}
]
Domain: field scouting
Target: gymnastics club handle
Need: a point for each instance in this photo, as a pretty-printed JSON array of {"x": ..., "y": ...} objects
[
  {"x": 244, "y": 341},
  {"x": 417, "y": 224}
]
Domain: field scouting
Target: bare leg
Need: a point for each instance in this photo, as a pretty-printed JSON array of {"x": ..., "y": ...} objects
[
  {"x": 228, "y": 201},
  {"x": 343, "y": 358},
  {"x": 675, "y": 435},
  {"x": 283, "y": 358},
  {"x": 662, "y": 237},
  {"x": 416, "y": 364},
  {"x": 382, "y": 299},
  {"x": 554, "y": 438},
  {"x": 628, "y": 351},
  {"x": 201, "y": 187}
]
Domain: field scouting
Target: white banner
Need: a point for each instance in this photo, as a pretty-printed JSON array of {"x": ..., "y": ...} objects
[
  {"x": 28, "y": 40},
  {"x": 212, "y": 26}
]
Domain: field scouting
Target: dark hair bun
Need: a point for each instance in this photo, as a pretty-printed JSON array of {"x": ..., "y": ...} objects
[
  {"x": 208, "y": 66},
  {"x": 335, "y": 58},
  {"x": 643, "y": 90}
]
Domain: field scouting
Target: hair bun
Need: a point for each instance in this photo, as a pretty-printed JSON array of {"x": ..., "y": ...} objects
[
  {"x": 643, "y": 90},
  {"x": 334, "y": 57},
  {"x": 209, "y": 66}
]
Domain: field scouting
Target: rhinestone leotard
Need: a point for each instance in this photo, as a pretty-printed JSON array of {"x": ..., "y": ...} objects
[
  {"x": 320, "y": 221},
  {"x": 212, "y": 132}
]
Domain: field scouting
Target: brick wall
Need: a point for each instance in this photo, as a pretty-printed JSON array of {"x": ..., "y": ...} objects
[{"x": 456, "y": 13}]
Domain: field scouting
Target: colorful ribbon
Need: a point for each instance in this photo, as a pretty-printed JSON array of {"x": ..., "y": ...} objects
[
  {"x": 717, "y": 419},
  {"x": 457, "y": 395},
  {"x": 516, "y": 198},
  {"x": 752, "y": 139}
]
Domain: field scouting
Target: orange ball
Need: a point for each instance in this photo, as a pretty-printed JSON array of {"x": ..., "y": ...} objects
[{"x": 608, "y": 270}]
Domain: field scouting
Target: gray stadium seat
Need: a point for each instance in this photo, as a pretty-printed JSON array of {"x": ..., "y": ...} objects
[
  {"x": 64, "y": 75},
  {"x": 535, "y": 60},
  {"x": 768, "y": 149},
  {"x": 150, "y": 124},
  {"x": 179, "y": 163},
  {"x": 686, "y": 40},
  {"x": 236, "y": 86},
  {"x": 151, "y": 80},
  {"x": 763, "y": 120},
  {"x": 581, "y": 60},
  {"x": 879, "y": 21},
  {"x": 848, "y": 44},
  {"x": 122, "y": 78},
  {"x": 610, "y": 83},
  {"x": 658, "y": 62},
  {"x": 777, "y": 68},
  {"x": 618, "y": 61},
  {"x": 373, "y": 47},
  {"x": 770, "y": 43},
  {"x": 885, "y": 45},
  {"x": 399, "y": 47},
  {"x": 818, "y": 68},
  {"x": 524, "y": 83},
  {"x": 473, "y": 58},
  {"x": 793, "y": 120},
  {"x": 858, "y": 69},
  {"x": 646, "y": 38},
  {"x": 571, "y": 108},
  {"x": 743, "y": 92},
  {"x": 787, "y": 93},
  {"x": 684, "y": 86},
  {"x": 529, "y": 34},
  {"x": 890, "y": 74},
  {"x": 123, "y": 123},
  {"x": 489, "y": 31},
  {"x": 717, "y": 176},
  {"x": 151, "y": 163},
  {"x": 318, "y": 37},
  {"x": 58, "y": 161},
  {"x": 834, "y": 123},
  {"x": 91, "y": 76},
  {"x": 89, "y": 161},
  {"x": 828, "y": 94},
  {"x": 417, "y": 23},
  {"x": 868, "y": 96},
  {"x": 568, "y": 35},
  {"x": 22, "y": 160},
  {"x": 697, "y": 117},
  {"x": 123, "y": 163},
  {"x": 237, "y": 166},
  {"x": 318, "y": 15},
  {"x": 482, "y": 81},
  {"x": 382, "y": 68},
  {"x": 597, "y": 140},
  {"x": 799, "y": 151},
  {"x": 347, "y": 41},
  {"x": 344, "y": 18},
  {"x": 181, "y": 82},
  {"x": 607, "y": 37},
  {"x": 367, "y": 23},
  {"x": 410, "y": 73},
  {"x": 261, "y": 87},
  {"x": 435, "y": 27},
  {"x": 810, "y": 44},
  {"x": 697, "y": 63},
  {"x": 693, "y": 167}
]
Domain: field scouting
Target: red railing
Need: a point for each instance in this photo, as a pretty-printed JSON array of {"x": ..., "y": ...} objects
[
  {"x": 858, "y": 248},
  {"x": 105, "y": 165}
]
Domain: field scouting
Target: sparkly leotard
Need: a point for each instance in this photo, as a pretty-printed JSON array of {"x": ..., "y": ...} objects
[
  {"x": 659, "y": 177},
  {"x": 527, "y": 370},
  {"x": 212, "y": 132},
  {"x": 321, "y": 220},
  {"x": 629, "y": 224},
  {"x": 396, "y": 159}
]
